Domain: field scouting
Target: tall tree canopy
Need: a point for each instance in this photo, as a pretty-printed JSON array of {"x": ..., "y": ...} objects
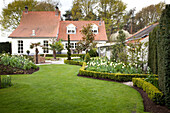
[
  {"x": 149, "y": 15},
  {"x": 11, "y": 14}
]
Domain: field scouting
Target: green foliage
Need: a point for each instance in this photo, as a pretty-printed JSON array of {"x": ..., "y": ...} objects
[
  {"x": 87, "y": 58},
  {"x": 153, "y": 51},
  {"x": 93, "y": 52},
  {"x": 11, "y": 15},
  {"x": 17, "y": 62},
  {"x": 88, "y": 37},
  {"x": 5, "y": 47},
  {"x": 153, "y": 80},
  {"x": 28, "y": 52},
  {"x": 111, "y": 76},
  {"x": 104, "y": 65},
  {"x": 68, "y": 48},
  {"x": 72, "y": 62},
  {"x": 35, "y": 45},
  {"x": 163, "y": 54},
  {"x": 149, "y": 15},
  {"x": 76, "y": 10},
  {"x": 5, "y": 81},
  {"x": 153, "y": 93}
]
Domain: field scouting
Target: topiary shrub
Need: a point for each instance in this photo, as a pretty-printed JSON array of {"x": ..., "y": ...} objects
[
  {"x": 87, "y": 58},
  {"x": 93, "y": 52}
]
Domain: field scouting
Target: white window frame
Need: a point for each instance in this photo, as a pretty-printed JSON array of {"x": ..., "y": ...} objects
[
  {"x": 20, "y": 46},
  {"x": 95, "y": 29},
  {"x": 71, "y": 29},
  {"x": 46, "y": 50}
]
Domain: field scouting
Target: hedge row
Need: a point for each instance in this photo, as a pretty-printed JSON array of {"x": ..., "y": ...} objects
[
  {"x": 153, "y": 93},
  {"x": 64, "y": 55},
  {"x": 112, "y": 76},
  {"x": 5, "y": 47},
  {"x": 71, "y": 62}
]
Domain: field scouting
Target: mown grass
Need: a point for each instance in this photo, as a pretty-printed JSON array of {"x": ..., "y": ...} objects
[{"x": 58, "y": 89}]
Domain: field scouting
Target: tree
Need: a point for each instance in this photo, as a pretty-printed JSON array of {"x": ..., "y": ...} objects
[
  {"x": 11, "y": 15},
  {"x": 88, "y": 37},
  {"x": 163, "y": 46},
  {"x": 112, "y": 12},
  {"x": 35, "y": 45},
  {"x": 68, "y": 48},
  {"x": 90, "y": 16},
  {"x": 76, "y": 10},
  {"x": 68, "y": 15},
  {"x": 149, "y": 15},
  {"x": 56, "y": 46}
]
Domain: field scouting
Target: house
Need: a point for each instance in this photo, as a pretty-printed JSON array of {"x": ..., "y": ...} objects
[
  {"x": 142, "y": 35},
  {"x": 43, "y": 26}
]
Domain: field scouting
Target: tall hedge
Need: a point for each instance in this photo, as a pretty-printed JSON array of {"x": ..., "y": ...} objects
[
  {"x": 152, "y": 59},
  {"x": 159, "y": 53},
  {"x": 5, "y": 47},
  {"x": 164, "y": 54}
]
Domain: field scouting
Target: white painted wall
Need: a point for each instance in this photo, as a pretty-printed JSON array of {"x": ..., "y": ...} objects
[{"x": 26, "y": 45}]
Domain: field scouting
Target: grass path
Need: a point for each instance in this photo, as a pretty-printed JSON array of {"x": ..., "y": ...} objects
[{"x": 58, "y": 89}]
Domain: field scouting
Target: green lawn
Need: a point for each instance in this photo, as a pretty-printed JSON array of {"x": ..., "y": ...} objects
[{"x": 58, "y": 89}]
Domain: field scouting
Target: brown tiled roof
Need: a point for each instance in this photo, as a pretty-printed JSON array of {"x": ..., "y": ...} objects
[
  {"x": 101, "y": 36},
  {"x": 45, "y": 24}
]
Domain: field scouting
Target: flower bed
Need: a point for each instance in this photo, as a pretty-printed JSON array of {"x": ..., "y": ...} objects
[
  {"x": 16, "y": 65},
  {"x": 104, "y": 65},
  {"x": 104, "y": 75},
  {"x": 153, "y": 93}
]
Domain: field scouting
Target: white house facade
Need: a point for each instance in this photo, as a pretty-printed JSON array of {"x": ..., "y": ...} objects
[{"x": 42, "y": 26}]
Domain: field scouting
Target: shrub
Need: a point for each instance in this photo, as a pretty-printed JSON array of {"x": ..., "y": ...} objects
[
  {"x": 153, "y": 93},
  {"x": 17, "y": 61},
  {"x": 87, "y": 58},
  {"x": 5, "y": 47},
  {"x": 5, "y": 81},
  {"x": 153, "y": 80},
  {"x": 71, "y": 62},
  {"x": 93, "y": 52}
]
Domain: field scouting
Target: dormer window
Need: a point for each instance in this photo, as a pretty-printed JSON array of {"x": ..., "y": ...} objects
[
  {"x": 71, "y": 29},
  {"x": 95, "y": 29}
]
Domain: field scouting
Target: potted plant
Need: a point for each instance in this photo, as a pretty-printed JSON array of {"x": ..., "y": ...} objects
[{"x": 28, "y": 52}]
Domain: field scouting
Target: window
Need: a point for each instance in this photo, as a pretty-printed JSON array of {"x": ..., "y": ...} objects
[
  {"x": 71, "y": 29},
  {"x": 45, "y": 50},
  {"x": 20, "y": 46},
  {"x": 94, "y": 29},
  {"x": 71, "y": 45},
  {"x": 75, "y": 45},
  {"x": 66, "y": 45}
]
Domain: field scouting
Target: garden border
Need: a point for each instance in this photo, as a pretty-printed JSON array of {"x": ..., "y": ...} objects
[{"x": 112, "y": 76}]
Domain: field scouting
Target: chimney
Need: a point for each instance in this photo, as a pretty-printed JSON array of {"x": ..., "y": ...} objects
[
  {"x": 26, "y": 9},
  {"x": 56, "y": 11},
  {"x": 33, "y": 32}
]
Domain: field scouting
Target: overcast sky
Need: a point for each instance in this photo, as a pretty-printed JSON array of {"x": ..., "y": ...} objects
[{"x": 67, "y": 4}]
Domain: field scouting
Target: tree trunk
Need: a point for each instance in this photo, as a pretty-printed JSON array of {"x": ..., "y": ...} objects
[
  {"x": 36, "y": 51},
  {"x": 54, "y": 53}
]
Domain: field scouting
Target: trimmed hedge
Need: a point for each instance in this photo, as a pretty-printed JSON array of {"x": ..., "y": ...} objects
[
  {"x": 5, "y": 47},
  {"x": 71, "y": 62},
  {"x": 153, "y": 93},
  {"x": 112, "y": 76},
  {"x": 64, "y": 55}
]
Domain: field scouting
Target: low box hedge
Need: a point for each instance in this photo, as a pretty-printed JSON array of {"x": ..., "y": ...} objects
[
  {"x": 153, "y": 93},
  {"x": 71, "y": 62},
  {"x": 113, "y": 76}
]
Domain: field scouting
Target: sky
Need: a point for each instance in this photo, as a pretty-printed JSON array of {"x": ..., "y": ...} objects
[{"x": 67, "y": 4}]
